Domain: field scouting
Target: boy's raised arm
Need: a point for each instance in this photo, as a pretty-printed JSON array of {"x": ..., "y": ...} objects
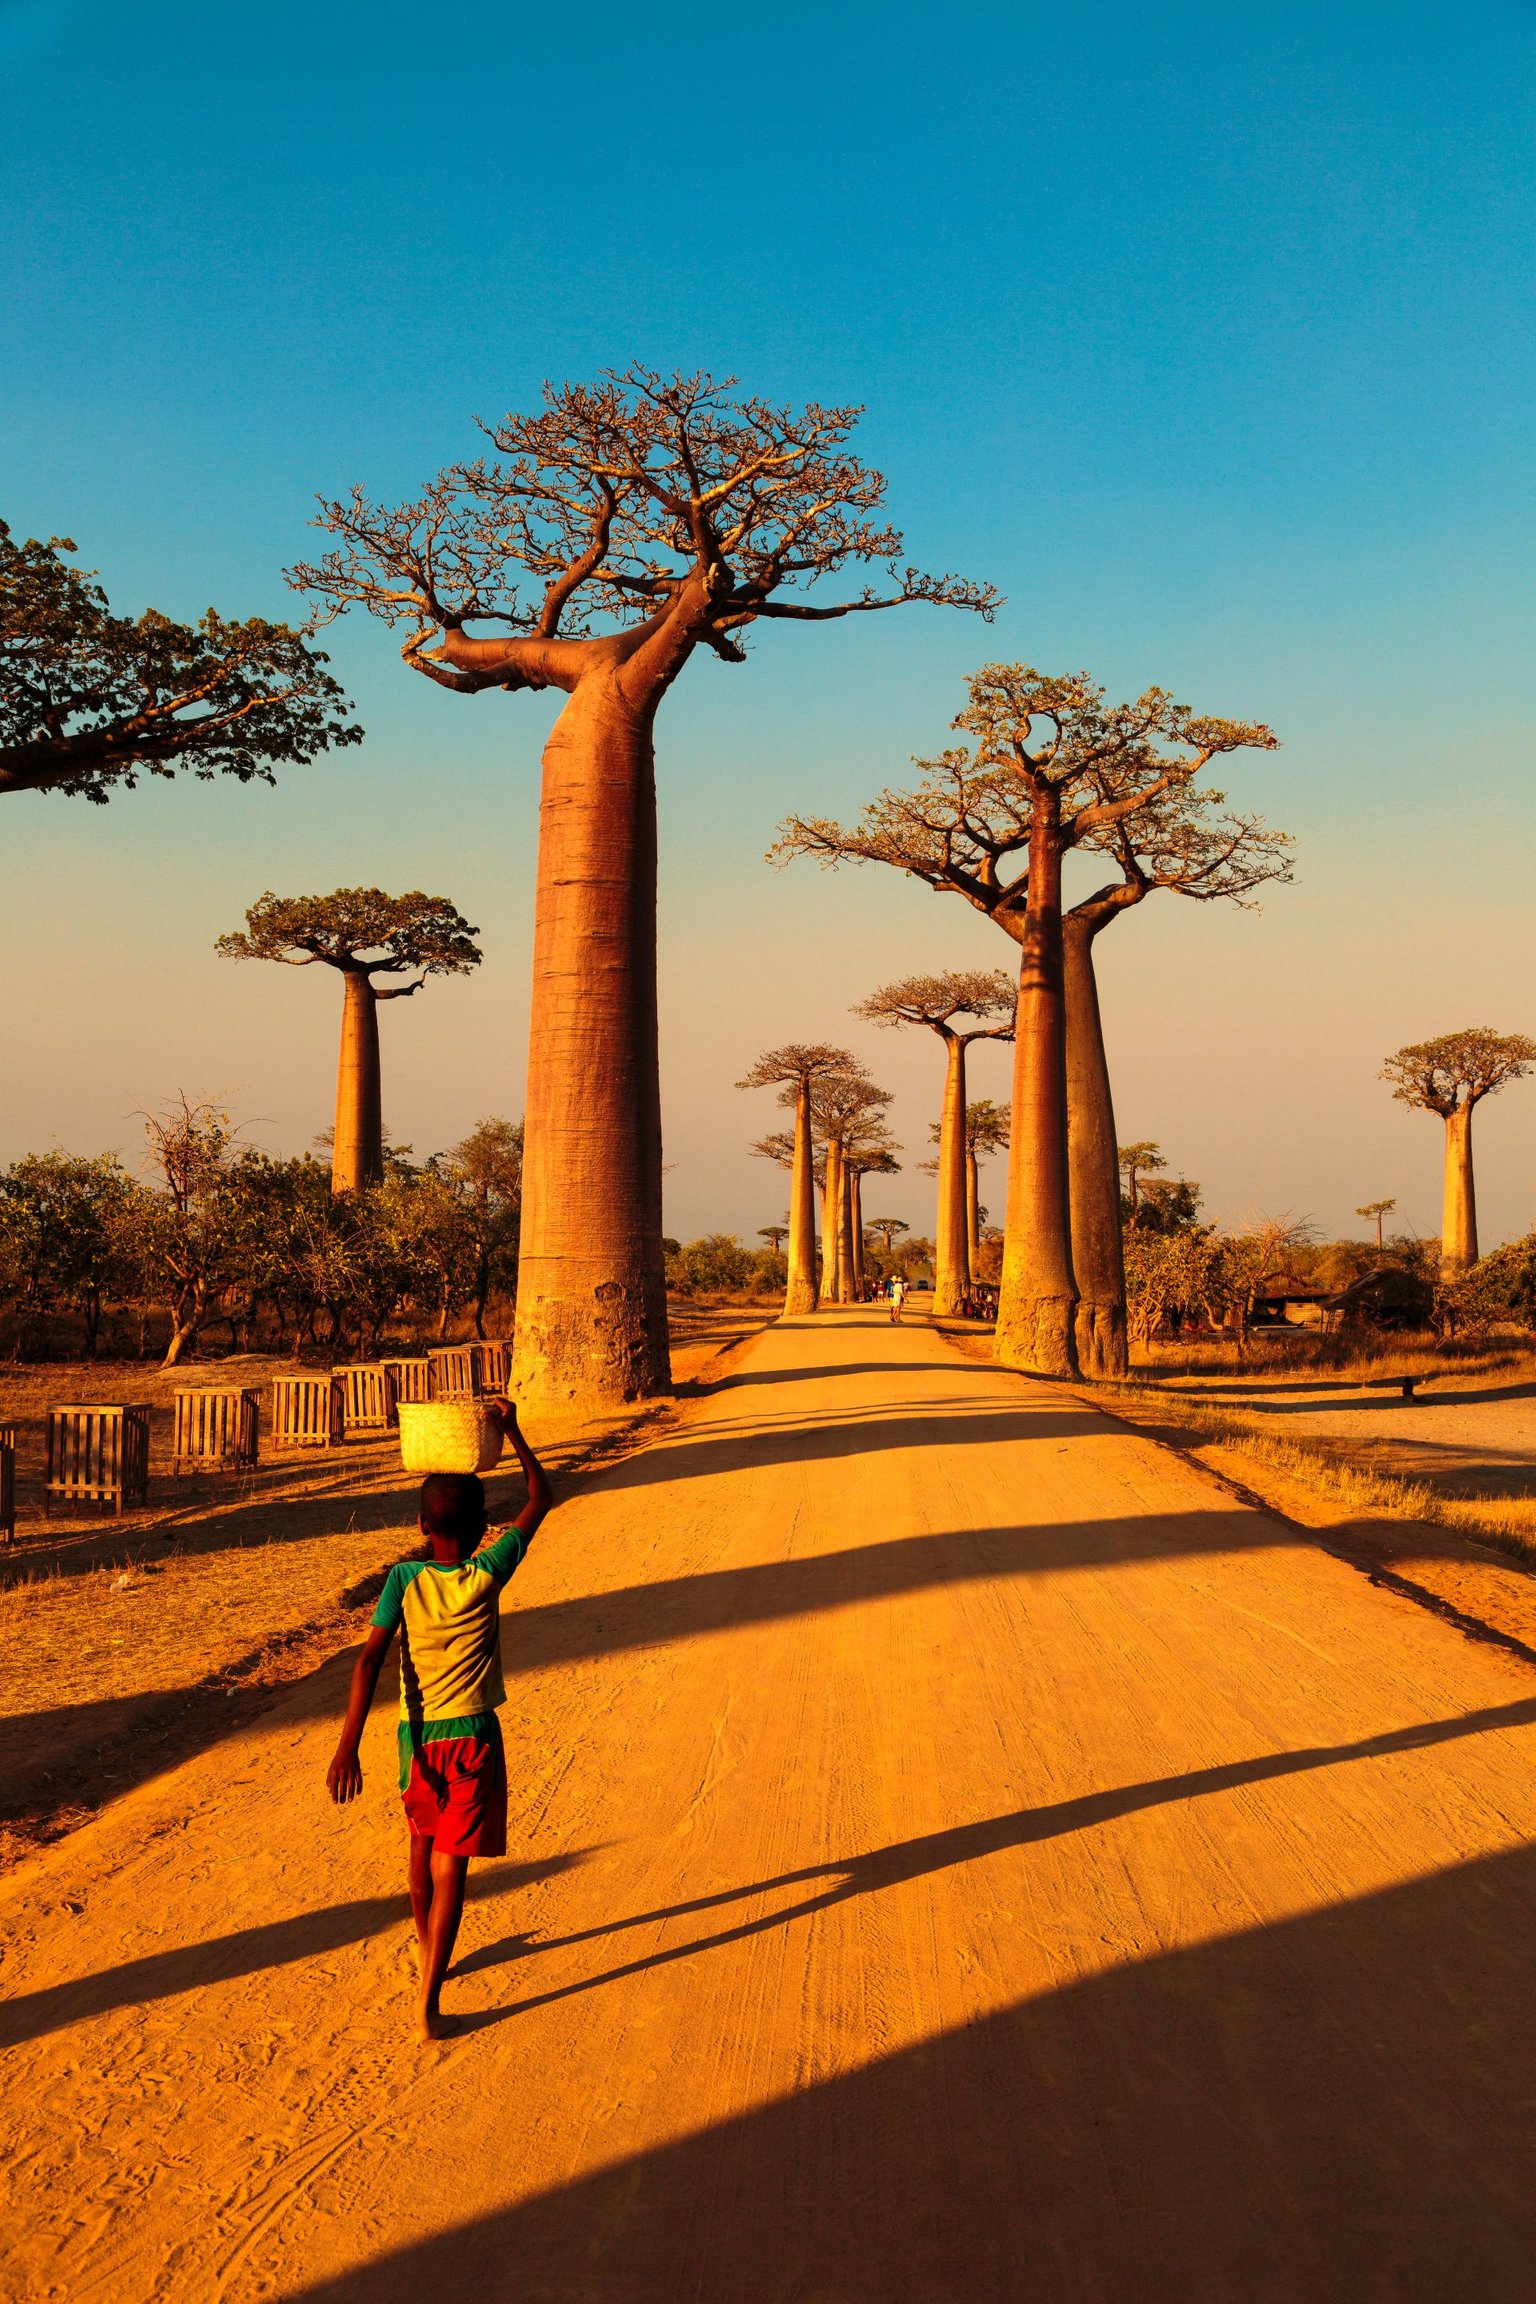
[{"x": 540, "y": 1497}]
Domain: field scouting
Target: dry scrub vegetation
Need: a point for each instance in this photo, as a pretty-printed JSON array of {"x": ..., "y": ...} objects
[{"x": 145, "y": 1636}]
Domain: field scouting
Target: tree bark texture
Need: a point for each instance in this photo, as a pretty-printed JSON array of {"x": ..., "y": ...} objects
[
  {"x": 357, "y": 1147},
  {"x": 831, "y": 1221},
  {"x": 800, "y": 1295},
  {"x": 1038, "y": 1293},
  {"x": 1458, "y": 1230},
  {"x": 951, "y": 1259},
  {"x": 591, "y": 1303},
  {"x": 1093, "y": 1171}
]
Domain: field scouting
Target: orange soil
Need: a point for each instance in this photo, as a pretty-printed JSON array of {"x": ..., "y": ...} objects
[{"x": 963, "y": 1855}]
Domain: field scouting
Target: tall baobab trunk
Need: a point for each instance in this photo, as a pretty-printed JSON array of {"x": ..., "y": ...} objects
[
  {"x": 831, "y": 1221},
  {"x": 1458, "y": 1231},
  {"x": 800, "y": 1294},
  {"x": 951, "y": 1256},
  {"x": 856, "y": 1229},
  {"x": 591, "y": 1300},
  {"x": 848, "y": 1196},
  {"x": 1038, "y": 1293},
  {"x": 1098, "y": 1256},
  {"x": 972, "y": 1208},
  {"x": 357, "y": 1147}
]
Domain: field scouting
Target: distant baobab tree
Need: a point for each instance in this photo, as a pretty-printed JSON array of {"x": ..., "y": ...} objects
[
  {"x": 848, "y": 1111},
  {"x": 869, "y": 1151},
  {"x": 1451, "y": 1076},
  {"x": 647, "y": 516},
  {"x": 1135, "y": 1161},
  {"x": 1378, "y": 1209},
  {"x": 89, "y": 700},
  {"x": 363, "y": 934},
  {"x": 774, "y": 1234},
  {"x": 794, "y": 1069},
  {"x": 986, "y": 1130},
  {"x": 885, "y": 1229},
  {"x": 1032, "y": 798},
  {"x": 988, "y": 995}
]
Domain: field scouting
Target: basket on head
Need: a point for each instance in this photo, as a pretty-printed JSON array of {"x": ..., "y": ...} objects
[{"x": 448, "y": 1436}]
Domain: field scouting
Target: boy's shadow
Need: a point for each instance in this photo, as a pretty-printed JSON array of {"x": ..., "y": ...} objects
[{"x": 495, "y": 1955}]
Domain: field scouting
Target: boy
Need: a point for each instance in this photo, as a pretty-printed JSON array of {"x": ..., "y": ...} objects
[{"x": 453, "y": 1773}]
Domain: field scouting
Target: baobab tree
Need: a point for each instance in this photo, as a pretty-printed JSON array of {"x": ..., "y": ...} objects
[
  {"x": 363, "y": 934},
  {"x": 869, "y": 1151},
  {"x": 885, "y": 1229},
  {"x": 1178, "y": 843},
  {"x": 794, "y": 1069},
  {"x": 89, "y": 699},
  {"x": 992, "y": 823},
  {"x": 1377, "y": 1209},
  {"x": 986, "y": 1130},
  {"x": 988, "y": 996},
  {"x": 775, "y": 1235},
  {"x": 848, "y": 1112},
  {"x": 650, "y": 516},
  {"x": 1451, "y": 1076},
  {"x": 1135, "y": 1161}
]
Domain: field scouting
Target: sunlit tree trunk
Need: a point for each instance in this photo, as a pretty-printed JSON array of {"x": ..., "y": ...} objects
[
  {"x": 1038, "y": 1292},
  {"x": 591, "y": 1306},
  {"x": 800, "y": 1294},
  {"x": 972, "y": 1209},
  {"x": 1098, "y": 1259},
  {"x": 357, "y": 1147},
  {"x": 951, "y": 1258},
  {"x": 1458, "y": 1231},
  {"x": 857, "y": 1229},
  {"x": 831, "y": 1221},
  {"x": 845, "y": 1248}
]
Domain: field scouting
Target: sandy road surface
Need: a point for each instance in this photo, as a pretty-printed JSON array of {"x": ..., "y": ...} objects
[{"x": 962, "y": 1856}]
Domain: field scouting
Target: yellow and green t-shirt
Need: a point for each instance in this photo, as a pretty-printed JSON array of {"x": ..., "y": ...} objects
[{"x": 450, "y": 1642}]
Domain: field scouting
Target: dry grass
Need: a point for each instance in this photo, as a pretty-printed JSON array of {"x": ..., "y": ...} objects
[{"x": 125, "y": 1643}]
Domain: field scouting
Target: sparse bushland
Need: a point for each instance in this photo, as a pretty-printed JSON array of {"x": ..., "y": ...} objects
[{"x": 609, "y": 535}]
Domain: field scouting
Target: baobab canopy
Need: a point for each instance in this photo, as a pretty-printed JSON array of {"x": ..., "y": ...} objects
[{"x": 89, "y": 698}]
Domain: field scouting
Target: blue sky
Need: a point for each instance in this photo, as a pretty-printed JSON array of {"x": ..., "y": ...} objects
[{"x": 1206, "y": 335}]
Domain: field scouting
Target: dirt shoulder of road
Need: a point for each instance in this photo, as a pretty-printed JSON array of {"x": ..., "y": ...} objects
[
  {"x": 129, "y": 1644},
  {"x": 1482, "y": 1582}
]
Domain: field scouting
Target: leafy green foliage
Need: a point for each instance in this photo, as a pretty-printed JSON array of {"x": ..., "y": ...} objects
[
  {"x": 89, "y": 698},
  {"x": 359, "y": 929}
]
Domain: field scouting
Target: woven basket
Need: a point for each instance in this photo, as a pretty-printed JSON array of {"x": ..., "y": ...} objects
[{"x": 448, "y": 1436}]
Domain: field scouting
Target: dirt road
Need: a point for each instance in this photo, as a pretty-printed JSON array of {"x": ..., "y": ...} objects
[{"x": 964, "y": 1858}]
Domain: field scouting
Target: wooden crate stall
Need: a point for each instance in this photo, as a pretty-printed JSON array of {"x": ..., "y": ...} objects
[
  {"x": 97, "y": 1456},
  {"x": 494, "y": 1359},
  {"x": 216, "y": 1429},
  {"x": 455, "y": 1373},
  {"x": 410, "y": 1379},
  {"x": 367, "y": 1397},
  {"x": 7, "y": 1483},
  {"x": 307, "y": 1412}
]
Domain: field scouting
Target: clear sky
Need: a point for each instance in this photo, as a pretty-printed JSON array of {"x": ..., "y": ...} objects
[{"x": 1204, "y": 333}]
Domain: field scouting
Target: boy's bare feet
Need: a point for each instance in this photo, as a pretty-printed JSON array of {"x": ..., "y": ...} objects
[{"x": 432, "y": 2024}]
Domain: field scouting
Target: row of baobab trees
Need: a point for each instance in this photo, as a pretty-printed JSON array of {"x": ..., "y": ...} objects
[{"x": 595, "y": 546}]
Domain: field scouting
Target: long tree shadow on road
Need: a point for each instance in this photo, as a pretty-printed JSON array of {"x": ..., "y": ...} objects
[{"x": 1330, "y": 2109}]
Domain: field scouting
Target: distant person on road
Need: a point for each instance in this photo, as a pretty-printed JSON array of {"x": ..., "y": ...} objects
[
  {"x": 453, "y": 1770},
  {"x": 898, "y": 1292}
]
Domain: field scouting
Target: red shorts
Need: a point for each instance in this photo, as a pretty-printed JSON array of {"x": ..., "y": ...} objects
[{"x": 456, "y": 1795}]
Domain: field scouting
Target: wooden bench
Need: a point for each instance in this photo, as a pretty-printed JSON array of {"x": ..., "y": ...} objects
[
  {"x": 307, "y": 1412},
  {"x": 216, "y": 1429},
  {"x": 494, "y": 1360},
  {"x": 410, "y": 1379},
  {"x": 97, "y": 1456},
  {"x": 7, "y": 1483},
  {"x": 367, "y": 1397},
  {"x": 455, "y": 1372}
]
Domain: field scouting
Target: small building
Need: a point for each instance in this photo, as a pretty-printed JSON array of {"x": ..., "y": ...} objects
[{"x": 1282, "y": 1300}]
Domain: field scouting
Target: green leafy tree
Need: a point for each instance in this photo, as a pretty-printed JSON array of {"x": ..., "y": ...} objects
[
  {"x": 89, "y": 699},
  {"x": 364, "y": 935},
  {"x": 62, "y": 1222}
]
